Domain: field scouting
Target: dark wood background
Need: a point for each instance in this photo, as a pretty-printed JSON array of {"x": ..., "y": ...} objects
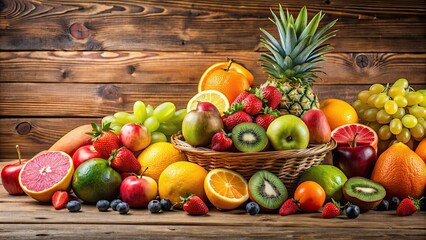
[{"x": 64, "y": 63}]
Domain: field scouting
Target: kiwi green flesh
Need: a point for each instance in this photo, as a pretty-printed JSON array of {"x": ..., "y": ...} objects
[
  {"x": 249, "y": 137},
  {"x": 267, "y": 190},
  {"x": 363, "y": 192}
]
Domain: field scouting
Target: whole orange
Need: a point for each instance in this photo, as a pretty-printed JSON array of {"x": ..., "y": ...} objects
[
  {"x": 401, "y": 172},
  {"x": 338, "y": 112},
  {"x": 421, "y": 149}
]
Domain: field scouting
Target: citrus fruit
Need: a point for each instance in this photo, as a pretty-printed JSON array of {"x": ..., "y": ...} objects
[
  {"x": 421, "y": 149},
  {"x": 330, "y": 178},
  {"x": 180, "y": 178},
  {"x": 229, "y": 82},
  {"x": 212, "y": 96},
  {"x": 401, "y": 172},
  {"x": 344, "y": 135},
  {"x": 338, "y": 112},
  {"x": 156, "y": 157},
  {"x": 225, "y": 188},
  {"x": 45, "y": 174},
  {"x": 95, "y": 180}
]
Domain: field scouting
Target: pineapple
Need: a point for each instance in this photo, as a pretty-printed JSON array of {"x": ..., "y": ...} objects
[{"x": 293, "y": 62}]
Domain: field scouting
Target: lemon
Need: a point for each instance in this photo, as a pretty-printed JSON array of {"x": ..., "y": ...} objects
[
  {"x": 225, "y": 188},
  {"x": 214, "y": 97},
  {"x": 156, "y": 157}
]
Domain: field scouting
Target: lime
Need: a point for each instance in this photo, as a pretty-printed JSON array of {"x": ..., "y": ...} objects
[
  {"x": 329, "y": 177},
  {"x": 95, "y": 180}
]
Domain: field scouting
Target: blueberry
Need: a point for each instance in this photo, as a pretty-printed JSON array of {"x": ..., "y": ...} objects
[
  {"x": 394, "y": 203},
  {"x": 123, "y": 208},
  {"x": 154, "y": 206},
  {"x": 102, "y": 205},
  {"x": 252, "y": 208},
  {"x": 73, "y": 206},
  {"x": 383, "y": 205},
  {"x": 166, "y": 205},
  {"x": 114, "y": 204},
  {"x": 352, "y": 211}
]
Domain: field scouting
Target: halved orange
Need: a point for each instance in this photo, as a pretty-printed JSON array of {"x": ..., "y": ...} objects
[
  {"x": 214, "y": 97},
  {"x": 225, "y": 188},
  {"x": 344, "y": 135}
]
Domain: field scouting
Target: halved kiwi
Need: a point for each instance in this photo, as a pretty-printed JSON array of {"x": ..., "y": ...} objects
[
  {"x": 363, "y": 192},
  {"x": 249, "y": 137},
  {"x": 267, "y": 190}
]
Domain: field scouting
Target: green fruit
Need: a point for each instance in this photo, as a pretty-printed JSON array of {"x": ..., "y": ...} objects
[
  {"x": 249, "y": 137},
  {"x": 198, "y": 127},
  {"x": 95, "y": 180},
  {"x": 288, "y": 132},
  {"x": 329, "y": 177},
  {"x": 363, "y": 192},
  {"x": 267, "y": 190}
]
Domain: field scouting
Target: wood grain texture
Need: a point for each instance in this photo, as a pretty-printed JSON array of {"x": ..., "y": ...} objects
[{"x": 200, "y": 25}]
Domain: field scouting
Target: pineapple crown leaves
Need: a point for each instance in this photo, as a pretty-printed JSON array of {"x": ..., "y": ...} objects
[{"x": 97, "y": 130}]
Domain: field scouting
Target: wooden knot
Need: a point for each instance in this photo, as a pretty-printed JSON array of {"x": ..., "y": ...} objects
[
  {"x": 362, "y": 61},
  {"x": 23, "y": 128},
  {"x": 109, "y": 91},
  {"x": 79, "y": 31}
]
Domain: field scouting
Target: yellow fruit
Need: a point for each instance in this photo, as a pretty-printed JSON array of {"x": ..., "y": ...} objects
[
  {"x": 156, "y": 157},
  {"x": 180, "y": 178},
  {"x": 225, "y": 189},
  {"x": 212, "y": 96}
]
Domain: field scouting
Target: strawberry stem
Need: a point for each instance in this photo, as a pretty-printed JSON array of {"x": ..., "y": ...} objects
[{"x": 19, "y": 154}]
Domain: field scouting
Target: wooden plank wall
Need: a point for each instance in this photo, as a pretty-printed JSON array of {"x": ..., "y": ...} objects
[{"x": 65, "y": 62}]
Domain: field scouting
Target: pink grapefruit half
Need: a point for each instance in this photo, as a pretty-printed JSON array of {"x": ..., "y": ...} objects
[
  {"x": 344, "y": 135},
  {"x": 45, "y": 174}
]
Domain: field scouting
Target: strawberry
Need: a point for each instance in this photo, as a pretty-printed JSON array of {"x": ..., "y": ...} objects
[
  {"x": 236, "y": 118},
  {"x": 252, "y": 104},
  {"x": 290, "y": 206},
  {"x": 59, "y": 199},
  {"x": 221, "y": 141},
  {"x": 272, "y": 95},
  {"x": 331, "y": 209},
  {"x": 193, "y": 205},
  {"x": 123, "y": 160},
  {"x": 408, "y": 206},
  {"x": 241, "y": 97},
  {"x": 104, "y": 140},
  {"x": 268, "y": 115}
]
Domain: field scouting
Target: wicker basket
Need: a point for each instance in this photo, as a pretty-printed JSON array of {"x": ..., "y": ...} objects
[{"x": 287, "y": 165}]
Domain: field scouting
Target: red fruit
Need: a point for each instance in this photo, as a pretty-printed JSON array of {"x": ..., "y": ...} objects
[
  {"x": 10, "y": 175},
  {"x": 104, "y": 140},
  {"x": 331, "y": 210},
  {"x": 123, "y": 160},
  {"x": 252, "y": 104},
  {"x": 193, "y": 205},
  {"x": 236, "y": 118},
  {"x": 266, "y": 118},
  {"x": 59, "y": 199},
  {"x": 240, "y": 97},
  {"x": 221, "y": 141},
  {"x": 408, "y": 206},
  {"x": 290, "y": 206},
  {"x": 272, "y": 95}
]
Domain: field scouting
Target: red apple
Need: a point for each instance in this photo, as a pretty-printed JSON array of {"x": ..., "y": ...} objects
[
  {"x": 135, "y": 137},
  {"x": 83, "y": 154},
  {"x": 138, "y": 191},
  {"x": 319, "y": 129},
  {"x": 10, "y": 174}
]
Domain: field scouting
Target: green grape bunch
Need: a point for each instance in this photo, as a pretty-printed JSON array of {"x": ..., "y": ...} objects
[{"x": 395, "y": 112}]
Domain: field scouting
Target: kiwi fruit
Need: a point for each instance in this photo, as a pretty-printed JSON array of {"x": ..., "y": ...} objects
[
  {"x": 249, "y": 137},
  {"x": 267, "y": 190},
  {"x": 363, "y": 192}
]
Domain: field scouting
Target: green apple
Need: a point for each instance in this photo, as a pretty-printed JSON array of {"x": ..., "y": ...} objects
[{"x": 288, "y": 132}]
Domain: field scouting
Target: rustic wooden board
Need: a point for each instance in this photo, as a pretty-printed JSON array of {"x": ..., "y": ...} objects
[{"x": 200, "y": 25}]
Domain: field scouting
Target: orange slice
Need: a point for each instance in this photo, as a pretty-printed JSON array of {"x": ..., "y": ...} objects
[
  {"x": 344, "y": 135},
  {"x": 225, "y": 188}
]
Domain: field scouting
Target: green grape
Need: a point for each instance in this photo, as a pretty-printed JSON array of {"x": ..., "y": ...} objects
[
  {"x": 402, "y": 82},
  {"x": 391, "y": 107},
  {"x": 158, "y": 137},
  {"x": 395, "y": 126},
  {"x": 414, "y": 98},
  {"x": 375, "y": 126},
  {"x": 139, "y": 109},
  {"x": 167, "y": 128},
  {"x": 122, "y": 117},
  {"x": 151, "y": 123},
  {"x": 371, "y": 100},
  {"x": 384, "y": 133},
  {"x": 164, "y": 111},
  {"x": 383, "y": 117},
  {"x": 422, "y": 122},
  {"x": 178, "y": 116},
  {"x": 357, "y": 104},
  {"x": 116, "y": 127},
  {"x": 423, "y": 103},
  {"x": 396, "y": 91},
  {"x": 108, "y": 119},
  {"x": 364, "y": 95},
  {"x": 409, "y": 121},
  {"x": 380, "y": 100},
  {"x": 401, "y": 101},
  {"x": 132, "y": 119},
  {"x": 417, "y": 131},
  {"x": 404, "y": 136},
  {"x": 149, "y": 110},
  {"x": 417, "y": 111},
  {"x": 399, "y": 113},
  {"x": 377, "y": 88},
  {"x": 370, "y": 114}
]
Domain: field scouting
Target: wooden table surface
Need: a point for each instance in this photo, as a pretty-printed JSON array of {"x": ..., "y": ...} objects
[{"x": 21, "y": 217}]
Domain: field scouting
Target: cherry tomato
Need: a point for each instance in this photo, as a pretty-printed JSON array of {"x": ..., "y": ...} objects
[{"x": 310, "y": 195}]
